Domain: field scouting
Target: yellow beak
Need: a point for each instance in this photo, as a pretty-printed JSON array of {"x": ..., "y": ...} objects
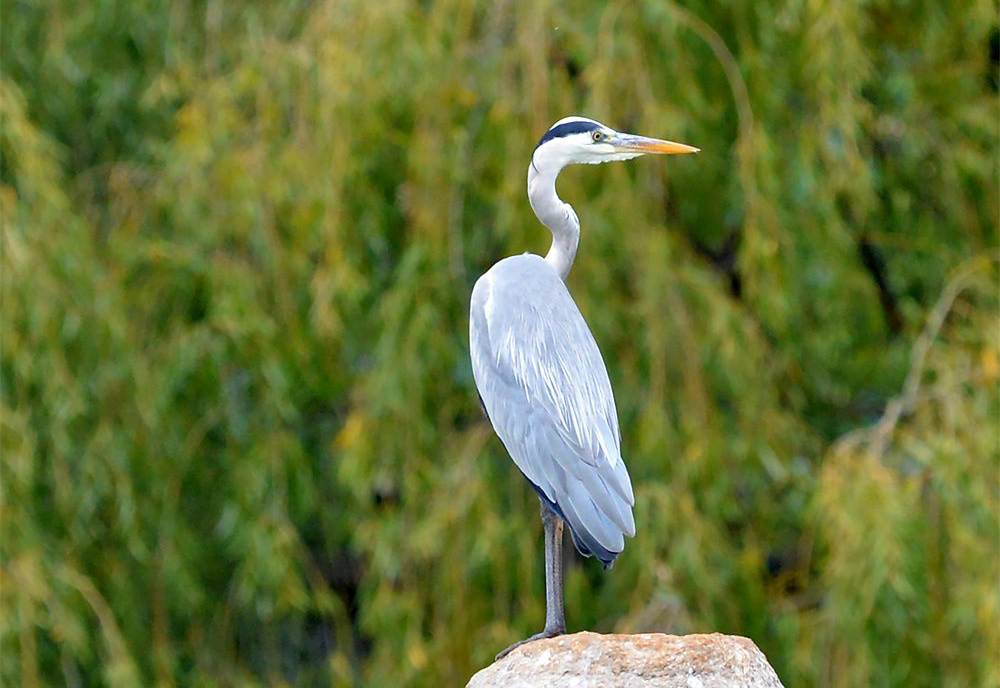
[{"x": 643, "y": 144}]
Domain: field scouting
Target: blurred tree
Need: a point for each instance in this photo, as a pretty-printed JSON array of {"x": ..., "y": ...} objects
[{"x": 240, "y": 436}]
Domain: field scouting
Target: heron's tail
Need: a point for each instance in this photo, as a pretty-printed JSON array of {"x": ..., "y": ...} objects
[{"x": 590, "y": 548}]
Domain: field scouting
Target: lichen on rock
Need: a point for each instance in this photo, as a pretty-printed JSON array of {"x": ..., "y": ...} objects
[{"x": 592, "y": 660}]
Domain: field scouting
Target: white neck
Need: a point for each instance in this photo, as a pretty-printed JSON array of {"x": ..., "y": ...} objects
[{"x": 553, "y": 212}]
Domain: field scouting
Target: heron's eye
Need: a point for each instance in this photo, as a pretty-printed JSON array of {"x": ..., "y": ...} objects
[{"x": 598, "y": 136}]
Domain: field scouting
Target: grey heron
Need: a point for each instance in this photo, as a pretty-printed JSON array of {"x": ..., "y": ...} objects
[{"x": 540, "y": 375}]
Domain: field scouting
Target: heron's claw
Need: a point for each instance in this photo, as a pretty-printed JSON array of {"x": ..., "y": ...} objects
[{"x": 547, "y": 633}]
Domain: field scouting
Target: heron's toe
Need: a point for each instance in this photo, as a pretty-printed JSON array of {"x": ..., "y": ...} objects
[{"x": 547, "y": 633}]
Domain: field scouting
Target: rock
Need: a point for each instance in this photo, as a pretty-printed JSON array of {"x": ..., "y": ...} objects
[{"x": 592, "y": 660}]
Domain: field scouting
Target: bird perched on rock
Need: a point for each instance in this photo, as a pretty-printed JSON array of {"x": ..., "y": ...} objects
[{"x": 541, "y": 377}]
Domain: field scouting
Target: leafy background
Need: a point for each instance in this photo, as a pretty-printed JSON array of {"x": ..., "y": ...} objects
[{"x": 241, "y": 442}]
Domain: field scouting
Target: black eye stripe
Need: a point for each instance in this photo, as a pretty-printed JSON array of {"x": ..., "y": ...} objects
[{"x": 578, "y": 127}]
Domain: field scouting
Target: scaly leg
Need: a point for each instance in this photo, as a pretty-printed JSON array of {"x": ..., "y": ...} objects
[{"x": 555, "y": 616}]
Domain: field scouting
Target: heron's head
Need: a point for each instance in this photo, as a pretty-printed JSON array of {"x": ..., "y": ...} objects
[{"x": 578, "y": 140}]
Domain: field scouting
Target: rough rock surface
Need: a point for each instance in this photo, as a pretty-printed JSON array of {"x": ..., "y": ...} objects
[{"x": 592, "y": 660}]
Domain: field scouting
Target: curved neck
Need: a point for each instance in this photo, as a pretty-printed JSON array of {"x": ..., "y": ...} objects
[{"x": 553, "y": 213}]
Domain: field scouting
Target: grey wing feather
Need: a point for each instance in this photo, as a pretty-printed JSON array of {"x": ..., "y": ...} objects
[{"x": 546, "y": 391}]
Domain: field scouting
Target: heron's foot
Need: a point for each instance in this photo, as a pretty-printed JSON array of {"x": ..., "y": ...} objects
[{"x": 547, "y": 633}]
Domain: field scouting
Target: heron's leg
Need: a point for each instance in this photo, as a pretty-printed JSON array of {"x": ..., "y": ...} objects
[{"x": 555, "y": 615}]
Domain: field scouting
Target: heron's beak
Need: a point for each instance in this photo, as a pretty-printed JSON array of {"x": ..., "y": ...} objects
[{"x": 629, "y": 143}]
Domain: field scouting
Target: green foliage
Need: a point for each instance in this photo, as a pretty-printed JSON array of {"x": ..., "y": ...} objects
[{"x": 241, "y": 443}]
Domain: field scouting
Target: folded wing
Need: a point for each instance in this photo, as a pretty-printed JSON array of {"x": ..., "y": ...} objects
[{"x": 546, "y": 390}]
